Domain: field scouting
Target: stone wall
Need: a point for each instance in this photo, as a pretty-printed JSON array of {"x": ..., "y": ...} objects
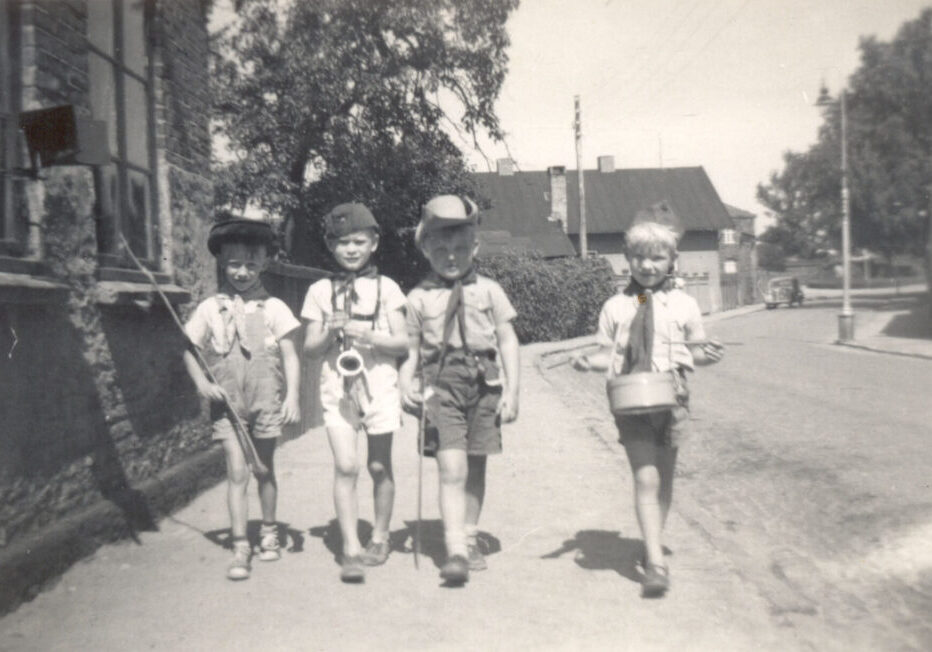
[{"x": 94, "y": 399}]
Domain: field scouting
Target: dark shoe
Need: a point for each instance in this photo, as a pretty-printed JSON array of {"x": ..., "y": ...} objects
[
  {"x": 351, "y": 570},
  {"x": 656, "y": 581},
  {"x": 456, "y": 570},
  {"x": 476, "y": 558},
  {"x": 376, "y": 554}
]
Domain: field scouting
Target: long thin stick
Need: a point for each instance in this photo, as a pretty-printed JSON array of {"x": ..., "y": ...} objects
[
  {"x": 421, "y": 429},
  {"x": 249, "y": 449}
]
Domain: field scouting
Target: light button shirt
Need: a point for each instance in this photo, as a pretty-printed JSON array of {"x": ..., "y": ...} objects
[
  {"x": 676, "y": 318},
  {"x": 486, "y": 306}
]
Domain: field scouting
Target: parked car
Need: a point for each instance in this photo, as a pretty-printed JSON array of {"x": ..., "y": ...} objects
[{"x": 783, "y": 289}]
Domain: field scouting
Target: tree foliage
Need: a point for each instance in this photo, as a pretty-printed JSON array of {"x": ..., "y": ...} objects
[
  {"x": 889, "y": 137},
  {"x": 325, "y": 101}
]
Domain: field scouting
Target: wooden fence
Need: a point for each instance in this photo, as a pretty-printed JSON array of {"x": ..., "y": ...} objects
[{"x": 290, "y": 283}]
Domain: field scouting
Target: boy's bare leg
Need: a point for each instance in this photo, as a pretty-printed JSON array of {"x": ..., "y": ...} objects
[
  {"x": 666, "y": 465},
  {"x": 475, "y": 492},
  {"x": 345, "y": 473},
  {"x": 268, "y": 485},
  {"x": 383, "y": 484},
  {"x": 642, "y": 455},
  {"x": 237, "y": 481},
  {"x": 453, "y": 466}
]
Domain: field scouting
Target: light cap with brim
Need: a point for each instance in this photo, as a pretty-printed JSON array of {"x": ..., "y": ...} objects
[
  {"x": 348, "y": 218},
  {"x": 445, "y": 211},
  {"x": 239, "y": 230}
]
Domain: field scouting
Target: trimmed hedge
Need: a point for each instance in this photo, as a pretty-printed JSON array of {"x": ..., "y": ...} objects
[{"x": 556, "y": 299}]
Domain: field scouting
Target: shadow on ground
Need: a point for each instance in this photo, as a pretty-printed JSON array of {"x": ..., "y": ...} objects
[
  {"x": 291, "y": 540},
  {"x": 603, "y": 550},
  {"x": 402, "y": 539}
]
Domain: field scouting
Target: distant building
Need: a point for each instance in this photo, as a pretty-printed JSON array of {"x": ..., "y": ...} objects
[
  {"x": 536, "y": 201},
  {"x": 738, "y": 251},
  {"x": 518, "y": 215}
]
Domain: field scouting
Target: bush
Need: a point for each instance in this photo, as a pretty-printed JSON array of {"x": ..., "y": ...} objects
[{"x": 556, "y": 299}]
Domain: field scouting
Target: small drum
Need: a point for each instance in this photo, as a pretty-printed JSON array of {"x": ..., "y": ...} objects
[{"x": 641, "y": 393}]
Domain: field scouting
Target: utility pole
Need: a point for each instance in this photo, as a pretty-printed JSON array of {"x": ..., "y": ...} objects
[{"x": 583, "y": 240}]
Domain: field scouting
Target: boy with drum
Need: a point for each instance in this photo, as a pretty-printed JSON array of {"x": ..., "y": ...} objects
[{"x": 648, "y": 327}]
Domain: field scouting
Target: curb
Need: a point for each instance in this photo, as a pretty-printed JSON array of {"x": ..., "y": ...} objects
[
  {"x": 874, "y": 349},
  {"x": 33, "y": 564}
]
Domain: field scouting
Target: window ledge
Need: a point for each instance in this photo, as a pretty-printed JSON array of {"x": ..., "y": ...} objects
[
  {"x": 118, "y": 293},
  {"x": 27, "y": 288}
]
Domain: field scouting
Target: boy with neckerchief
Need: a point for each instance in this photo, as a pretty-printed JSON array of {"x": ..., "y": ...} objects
[
  {"x": 358, "y": 309},
  {"x": 460, "y": 331},
  {"x": 648, "y": 328},
  {"x": 247, "y": 339}
]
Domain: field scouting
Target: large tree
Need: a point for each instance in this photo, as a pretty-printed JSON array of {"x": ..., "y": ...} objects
[
  {"x": 889, "y": 136},
  {"x": 324, "y": 101}
]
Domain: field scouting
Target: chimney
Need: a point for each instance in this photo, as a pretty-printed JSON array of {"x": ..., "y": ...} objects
[
  {"x": 557, "y": 174},
  {"x": 505, "y": 167},
  {"x": 606, "y": 163}
]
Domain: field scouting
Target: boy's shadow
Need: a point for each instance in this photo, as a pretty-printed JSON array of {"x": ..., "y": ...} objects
[
  {"x": 402, "y": 539},
  {"x": 291, "y": 540},
  {"x": 604, "y": 550}
]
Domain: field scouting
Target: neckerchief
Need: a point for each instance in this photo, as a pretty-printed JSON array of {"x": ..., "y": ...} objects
[
  {"x": 639, "y": 353},
  {"x": 345, "y": 283},
  {"x": 233, "y": 314},
  {"x": 456, "y": 306}
]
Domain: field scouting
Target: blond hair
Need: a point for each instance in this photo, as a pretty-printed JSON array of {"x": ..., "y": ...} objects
[{"x": 647, "y": 237}]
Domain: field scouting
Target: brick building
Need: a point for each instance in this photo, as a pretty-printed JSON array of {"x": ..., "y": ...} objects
[{"x": 97, "y": 411}]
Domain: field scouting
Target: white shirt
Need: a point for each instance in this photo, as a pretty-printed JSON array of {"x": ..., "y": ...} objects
[{"x": 676, "y": 318}]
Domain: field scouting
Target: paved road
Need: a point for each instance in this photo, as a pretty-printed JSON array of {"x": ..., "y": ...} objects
[
  {"x": 811, "y": 470},
  {"x": 802, "y": 521}
]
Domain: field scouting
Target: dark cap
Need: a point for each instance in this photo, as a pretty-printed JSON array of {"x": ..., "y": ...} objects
[
  {"x": 348, "y": 218},
  {"x": 239, "y": 230}
]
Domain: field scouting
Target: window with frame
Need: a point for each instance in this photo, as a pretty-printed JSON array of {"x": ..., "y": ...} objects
[
  {"x": 728, "y": 236},
  {"x": 121, "y": 83},
  {"x": 730, "y": 267},
  {"x": 12, "y": 209}
]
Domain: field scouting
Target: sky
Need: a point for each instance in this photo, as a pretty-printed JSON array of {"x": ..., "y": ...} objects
[{"x": 729, "y": 85}]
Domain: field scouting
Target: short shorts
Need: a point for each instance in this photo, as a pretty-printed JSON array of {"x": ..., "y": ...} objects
[
  {"x": 262, "y": 423},
  {"x": 463, "y": 411}
]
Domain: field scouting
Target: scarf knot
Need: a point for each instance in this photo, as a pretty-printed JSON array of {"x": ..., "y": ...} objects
[
  {"x": 233, "y": 314},
  {"x": 344, "y": 282}
]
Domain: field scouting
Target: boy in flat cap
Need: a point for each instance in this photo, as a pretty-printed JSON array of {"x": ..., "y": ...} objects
[
  {"x": 460, "y": 332},
  {"x": 356, "y": 323},
  {"x": 246, "y": 338}
]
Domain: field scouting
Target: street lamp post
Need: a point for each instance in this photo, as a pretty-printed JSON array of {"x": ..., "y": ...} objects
[{"x": 846, "y": 318}]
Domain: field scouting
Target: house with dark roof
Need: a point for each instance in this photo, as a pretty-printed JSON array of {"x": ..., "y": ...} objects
[
  {"x": 516, "y": 215},
  {"x": 533, "y": 202}
]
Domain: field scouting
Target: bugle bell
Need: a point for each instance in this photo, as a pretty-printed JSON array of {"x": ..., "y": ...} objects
[{"x": 349, "y": 363}]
